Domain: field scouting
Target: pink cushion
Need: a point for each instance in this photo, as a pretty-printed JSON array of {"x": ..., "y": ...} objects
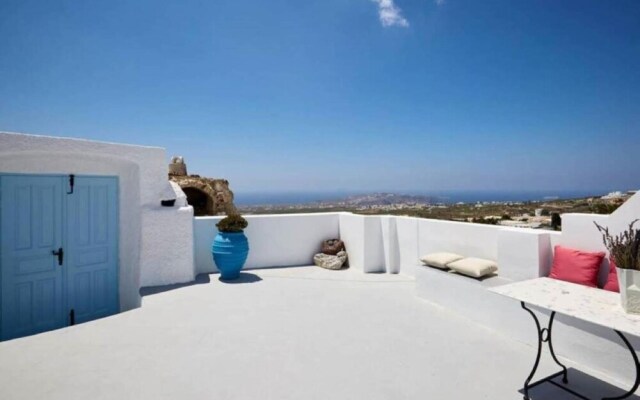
[
  {"x": 612, "y": 278},
  {"x": 576, "y": 266}
]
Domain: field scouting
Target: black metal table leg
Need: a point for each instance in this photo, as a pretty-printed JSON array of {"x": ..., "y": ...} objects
[
  {"x": 535, "y": 365},
  {"x": 637, "y": 365},
  {"x": 544, "y": 335},
  {"x": 553, "y": 354}
]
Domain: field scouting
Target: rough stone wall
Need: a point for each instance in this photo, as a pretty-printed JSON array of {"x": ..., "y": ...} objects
[{"x": 207, "y": 196}]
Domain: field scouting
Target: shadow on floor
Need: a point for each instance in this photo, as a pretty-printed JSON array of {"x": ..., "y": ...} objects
[
  {"x": 245, "y": 277},
  {"x": 151, "y": 290},
  {"x": 585, "y": 384}
]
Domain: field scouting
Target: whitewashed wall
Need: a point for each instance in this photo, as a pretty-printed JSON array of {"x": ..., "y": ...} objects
[
  {"x": 379, "y": 243},
  {"x": 524, "y": 254},
  {"x": 370, "y": 242},
  {"x": 595, "y": 347},
  {"x": 274, "y": 240},
  {"x": 407, "y": 230},
  {"x": 471, "y": 240},
  {"x": 579, "y": 230},
  {"x": 152, "y": 250},
  {"x": 394, "y": 244},
  {"x": 352, "y": 232},
  {"x": 390, "y": 244}
]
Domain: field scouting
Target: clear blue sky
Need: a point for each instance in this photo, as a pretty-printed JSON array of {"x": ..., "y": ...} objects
[{"x": 339, "y": 94}]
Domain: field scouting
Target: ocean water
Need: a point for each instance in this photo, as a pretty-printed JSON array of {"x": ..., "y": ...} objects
[
  {"x": 447, "y": 197},
  {"x": 286, "y": 198}
]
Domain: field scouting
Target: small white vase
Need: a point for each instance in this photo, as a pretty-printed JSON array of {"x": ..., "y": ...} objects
[{"x": 629, "y": 282}]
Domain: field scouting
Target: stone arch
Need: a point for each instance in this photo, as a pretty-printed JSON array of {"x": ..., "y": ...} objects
[
  {"x": 207, "y": 196},
  {"x": 200, "y": 196}
]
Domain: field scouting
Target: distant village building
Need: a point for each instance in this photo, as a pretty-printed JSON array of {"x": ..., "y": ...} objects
[
  {"x": 613, "y": 195},
  {"x": 520, "y": 224}
]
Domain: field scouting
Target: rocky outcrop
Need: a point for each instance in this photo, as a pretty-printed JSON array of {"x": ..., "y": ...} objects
[
  {"x": 329, "y": 261},
  {"x": 207, "y": 196},
  {"x": 332, "y": 246}
]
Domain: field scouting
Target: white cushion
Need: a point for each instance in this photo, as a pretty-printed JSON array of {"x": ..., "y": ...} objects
[
  {"x": 474, "y": 267},
  {"x": 440, "y": 260}
]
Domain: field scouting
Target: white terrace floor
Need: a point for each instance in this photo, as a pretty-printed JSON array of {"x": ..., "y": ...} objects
[{"x": 296, "y": 333}]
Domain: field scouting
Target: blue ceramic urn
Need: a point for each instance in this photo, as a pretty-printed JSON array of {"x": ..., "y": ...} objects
[{"x": 230, "y": 251}]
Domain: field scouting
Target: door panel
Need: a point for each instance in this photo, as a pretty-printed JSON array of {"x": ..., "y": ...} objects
[
  {"x": 92, "y": 232},
  {"x": 38, "y": 216},
  {"x": 32, "y": 284}
]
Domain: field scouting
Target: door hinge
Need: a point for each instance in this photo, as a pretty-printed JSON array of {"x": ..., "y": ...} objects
[
  {"x": 72, "y": 179},
  {"x": 72, "y": 317}
]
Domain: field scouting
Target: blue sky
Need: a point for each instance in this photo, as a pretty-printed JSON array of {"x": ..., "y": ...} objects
[{"x": 404, "y": 95}]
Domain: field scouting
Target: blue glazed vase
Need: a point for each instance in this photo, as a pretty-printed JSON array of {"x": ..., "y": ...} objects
[{"x": 230, "y": 251}]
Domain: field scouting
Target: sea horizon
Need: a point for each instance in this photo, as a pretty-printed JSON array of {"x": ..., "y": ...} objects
[{"x": 440, "y": 196}]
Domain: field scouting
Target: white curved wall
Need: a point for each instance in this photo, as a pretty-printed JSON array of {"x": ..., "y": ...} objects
[
  {"x": 394, "y": 244},
  {"x": 145, "y": 257}
]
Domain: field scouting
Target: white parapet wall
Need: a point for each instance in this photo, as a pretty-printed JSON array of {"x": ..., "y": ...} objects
[
  {"x": 596, "y": 347},
  {"x": 470, "y": 240},
  {"x": 393, "y": 244},
  {"x": 364, "y": 241},
  {"x": 378, "y": 244},
  {"x": 525, "y": 254},
  {"x": 274, "y": 240},
  {"x": 407, "y": 230}
]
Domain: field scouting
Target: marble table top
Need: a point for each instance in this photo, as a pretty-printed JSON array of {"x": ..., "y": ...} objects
[{"x": 593, "y": 305}]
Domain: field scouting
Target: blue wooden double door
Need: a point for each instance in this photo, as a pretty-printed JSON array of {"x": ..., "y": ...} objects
[{"x": 59, "y": 251}]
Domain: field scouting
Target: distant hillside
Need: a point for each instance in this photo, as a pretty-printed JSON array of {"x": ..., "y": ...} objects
[{"x": 382, "y": 199}]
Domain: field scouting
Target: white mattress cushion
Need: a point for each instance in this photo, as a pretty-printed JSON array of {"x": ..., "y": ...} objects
[
  {"x": 440, "y": 260},
  {"x": 474, "y": 267}
]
